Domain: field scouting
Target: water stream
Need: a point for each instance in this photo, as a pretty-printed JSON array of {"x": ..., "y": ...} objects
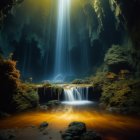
[
  {"x": 62, "y": 58},
  {"x": 74, "y": 95}
]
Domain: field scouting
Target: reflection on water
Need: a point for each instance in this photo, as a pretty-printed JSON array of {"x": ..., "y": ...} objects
[{"x": 112, "y": 127}]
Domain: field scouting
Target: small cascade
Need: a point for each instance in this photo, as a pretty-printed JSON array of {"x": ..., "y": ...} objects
[
  {"x": 72, "y": 93},
  {"x": 68, "y": 94}
]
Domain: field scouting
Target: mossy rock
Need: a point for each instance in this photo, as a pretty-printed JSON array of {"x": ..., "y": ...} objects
[
  {"x": 117, "y": 58},
  {"x": 122, "y": 94},
  {"x": 26, "y": 99}
]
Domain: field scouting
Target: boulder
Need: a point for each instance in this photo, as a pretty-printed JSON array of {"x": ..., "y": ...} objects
[
  {"x": 91, "y": 135},
  {"x": 74, "y": 131},
  {"x": 77, "y": 131}
]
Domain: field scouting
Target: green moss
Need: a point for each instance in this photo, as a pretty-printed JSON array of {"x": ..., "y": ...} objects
[
  {"x": 26, "y": 98},
  {"x": 81, "y": 81},
  {"x": 14, "y": 95},
  {"x": 117, "y": 58},
  {"x": 119, "y": 93},
  {"x": 9, "y": 83},
  {"x": 122, "y": 94},
  {"x": 47, "y": 84}
]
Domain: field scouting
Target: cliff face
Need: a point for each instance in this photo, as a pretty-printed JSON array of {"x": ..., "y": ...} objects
[
  {"x": 96, "y": 26},
  {"x": 127, "y": 12},
  {"x": 115, "y": 22}
]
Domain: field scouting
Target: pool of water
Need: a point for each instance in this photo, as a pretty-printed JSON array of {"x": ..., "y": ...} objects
[{"x": 110, "y": 126}]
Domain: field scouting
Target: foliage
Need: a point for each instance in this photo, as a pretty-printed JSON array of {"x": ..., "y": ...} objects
[
  {"x": 14, "y": 95},
  {"x": 98, "y": 79},
  {"x": 122, "y": 94},
  {"x": 117, "y": 58},
  {"x": 9, "y": 83},
  {"x": 26, "y": 98},
  {"x": 81, "y": 81},
  {"x": 119, "y": 91}
]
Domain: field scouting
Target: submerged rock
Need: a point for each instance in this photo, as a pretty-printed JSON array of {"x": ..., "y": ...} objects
[
  {"x": 77, "y": 128},
  {"x": 43, "y": 125},
  {"x": 77, "y": 131},
  {"x": 53, "y": 103}
]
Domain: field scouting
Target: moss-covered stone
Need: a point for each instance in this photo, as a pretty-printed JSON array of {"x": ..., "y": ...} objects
[
  {"x": 26, "y": 98},
  {"x": 117, "y": 58},
  {"x": 122, "y": 94},
  {"x": 119, "y": 93},
  {"x": 81, "y": 81}
]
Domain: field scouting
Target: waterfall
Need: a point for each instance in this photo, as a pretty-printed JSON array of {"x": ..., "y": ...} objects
[
  {"x": 75, "y": 93},
  {"x": 69, "y": 94},
  {"x": 62, "y": 60}
]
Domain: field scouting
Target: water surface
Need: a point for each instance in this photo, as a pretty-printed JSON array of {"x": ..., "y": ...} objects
[{"x": 111, "y": 126}]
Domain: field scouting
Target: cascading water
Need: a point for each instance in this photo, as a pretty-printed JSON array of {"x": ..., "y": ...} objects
[
  {"x": 62, "y": 60},
  {"x": 76, "y": 95}
]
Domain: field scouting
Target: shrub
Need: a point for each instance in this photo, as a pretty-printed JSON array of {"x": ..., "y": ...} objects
[
  {"x": 26, "y": 98},
  {"x": 117, "y": 58},
  {"x": 14, "y": 95},
  {"x": 9, "y": 83},
  {"x": 122, "y": 94}
]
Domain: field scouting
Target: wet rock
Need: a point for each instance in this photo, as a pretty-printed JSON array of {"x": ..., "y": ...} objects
[
  {"x": 43, "y": 107},
  {"x": 91, "y": 135},
  {"x": 77, "y": 131},
  {"x": 43, "y": 125},
  {"x": 74, "y": 131},
  {"x": 53, "y": 103}
]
